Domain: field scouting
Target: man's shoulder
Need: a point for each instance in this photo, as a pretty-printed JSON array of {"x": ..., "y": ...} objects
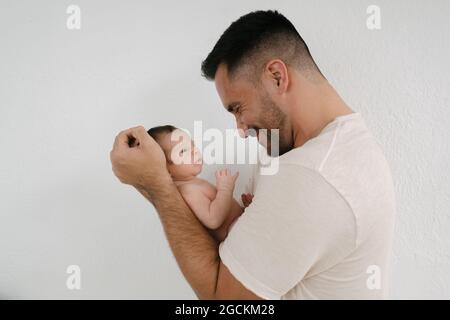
[{"x": 339, "y": 144}]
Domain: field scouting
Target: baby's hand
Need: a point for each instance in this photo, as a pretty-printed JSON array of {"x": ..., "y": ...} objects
[
  {"x": 225, "y": 181},
  {"x": 246, "y": 199}
]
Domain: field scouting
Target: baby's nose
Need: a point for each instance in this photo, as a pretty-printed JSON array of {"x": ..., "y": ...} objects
[{"x": 195, "y": 153}]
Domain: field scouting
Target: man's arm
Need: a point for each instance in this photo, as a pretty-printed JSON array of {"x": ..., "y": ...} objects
[
  {"x": 194, "y": 248},
  {"x": 196, "y": 252}
]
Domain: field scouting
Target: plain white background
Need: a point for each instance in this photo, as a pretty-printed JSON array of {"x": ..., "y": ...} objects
[{"x": 65, "y": 94}]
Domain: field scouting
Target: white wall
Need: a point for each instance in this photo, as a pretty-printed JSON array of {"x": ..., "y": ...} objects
[{"x": 65, "y": 94}]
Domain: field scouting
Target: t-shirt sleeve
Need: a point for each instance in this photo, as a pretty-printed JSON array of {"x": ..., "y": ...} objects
[{"x": 297, "y": 225}]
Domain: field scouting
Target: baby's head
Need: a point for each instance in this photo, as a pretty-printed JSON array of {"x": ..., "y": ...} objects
[{"x": 184, "y": 160}]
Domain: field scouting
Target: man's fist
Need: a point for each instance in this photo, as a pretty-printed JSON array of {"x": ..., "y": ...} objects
[
  {"x": 225, "y": 181},
  {"x": 137, "y": 159}
]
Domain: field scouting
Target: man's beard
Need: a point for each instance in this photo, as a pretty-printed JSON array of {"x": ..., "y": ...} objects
[{"x": 277, "y": 142}]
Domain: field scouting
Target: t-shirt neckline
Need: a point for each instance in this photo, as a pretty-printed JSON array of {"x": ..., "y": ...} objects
[{"x": 341, "y": 118}]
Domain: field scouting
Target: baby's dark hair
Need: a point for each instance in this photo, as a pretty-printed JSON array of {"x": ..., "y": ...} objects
[{"x": 156, "y": 132}]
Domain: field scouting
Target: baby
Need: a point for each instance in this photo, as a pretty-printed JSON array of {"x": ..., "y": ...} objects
[{"x": 215, "y": 207}]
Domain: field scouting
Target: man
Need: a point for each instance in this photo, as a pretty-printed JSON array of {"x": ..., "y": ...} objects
[{"x": 321, "y": 227}]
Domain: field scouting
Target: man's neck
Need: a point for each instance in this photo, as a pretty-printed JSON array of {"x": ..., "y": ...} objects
[{"x": 316, "y": 106}]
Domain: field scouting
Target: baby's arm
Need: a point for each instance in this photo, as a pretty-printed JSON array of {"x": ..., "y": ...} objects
[
  {"x": 221, "y": 205},
  {"x": 212, "y": 213},
  {"x": 200, "y": 205}
]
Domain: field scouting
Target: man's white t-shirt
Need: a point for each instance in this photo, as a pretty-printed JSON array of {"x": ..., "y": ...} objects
[{"x": 322, "y": 226}]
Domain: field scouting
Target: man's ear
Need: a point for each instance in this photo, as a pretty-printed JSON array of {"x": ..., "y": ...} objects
[{"x": 276, "y": 76}]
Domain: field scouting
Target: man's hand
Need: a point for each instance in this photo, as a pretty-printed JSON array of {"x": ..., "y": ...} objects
[
  {"x": 137, "y": 158},
  {"x": 225, "y": 181}
]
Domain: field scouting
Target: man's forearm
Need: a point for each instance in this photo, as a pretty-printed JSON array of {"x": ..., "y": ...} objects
[{"x": 195, "y": 250}]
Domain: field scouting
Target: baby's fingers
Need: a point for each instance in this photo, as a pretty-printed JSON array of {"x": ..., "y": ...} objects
[
  {"x": 236, "y": 175},
  {"x": 221, "y": 172}
]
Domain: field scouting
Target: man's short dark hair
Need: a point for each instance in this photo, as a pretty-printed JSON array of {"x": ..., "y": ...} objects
[{"x": 253, "y": 40}]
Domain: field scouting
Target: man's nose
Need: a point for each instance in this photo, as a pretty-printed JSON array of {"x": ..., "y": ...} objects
[{"x": 242, "y": 128}]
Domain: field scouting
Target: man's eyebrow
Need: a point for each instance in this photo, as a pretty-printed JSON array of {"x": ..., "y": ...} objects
[{"x": 231, "y": 106}]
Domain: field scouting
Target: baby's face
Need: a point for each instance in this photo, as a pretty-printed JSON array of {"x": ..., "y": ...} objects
[{"x": 184, "y": 160}]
